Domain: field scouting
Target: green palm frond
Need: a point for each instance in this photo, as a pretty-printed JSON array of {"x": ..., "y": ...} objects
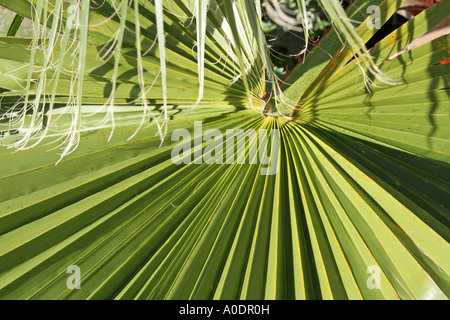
[{"x": 363, "y": 162}]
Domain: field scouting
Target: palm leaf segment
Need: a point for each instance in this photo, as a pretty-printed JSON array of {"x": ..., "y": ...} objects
[{"x": 362, "y": 182}]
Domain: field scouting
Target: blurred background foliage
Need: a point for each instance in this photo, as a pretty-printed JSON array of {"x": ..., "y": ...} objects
[{"x": 286, "y": 45}]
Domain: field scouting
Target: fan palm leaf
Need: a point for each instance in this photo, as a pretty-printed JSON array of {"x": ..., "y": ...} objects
[{"x": 361, "y": 189}]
